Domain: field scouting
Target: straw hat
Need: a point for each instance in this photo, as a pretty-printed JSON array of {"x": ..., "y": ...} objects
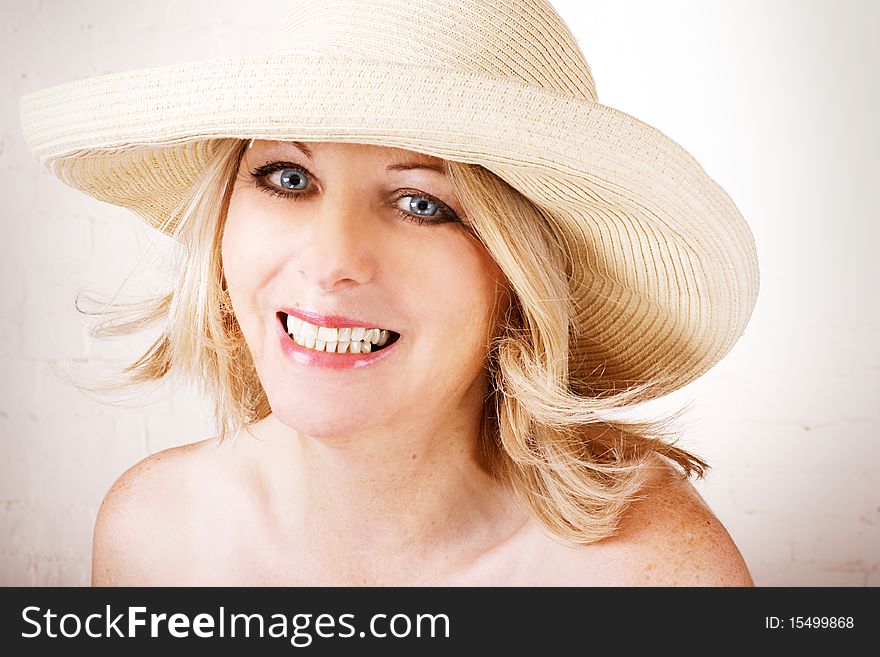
[{"x": 672, "y": 270}]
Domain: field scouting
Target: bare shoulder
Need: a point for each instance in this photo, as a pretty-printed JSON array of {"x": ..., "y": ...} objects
[
  {"x": 143, "y": 531},
  {"x": 670, "y": 537}
]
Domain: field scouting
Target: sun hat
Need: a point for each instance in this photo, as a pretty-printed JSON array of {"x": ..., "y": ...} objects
[{"x": 671, "y": 273}]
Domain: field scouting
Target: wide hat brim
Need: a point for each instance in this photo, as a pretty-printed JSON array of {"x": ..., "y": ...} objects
[{"x": 672, "y": 270}]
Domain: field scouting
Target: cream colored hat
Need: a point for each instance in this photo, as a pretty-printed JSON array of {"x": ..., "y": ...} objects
[{"x": 671, "y": 270}]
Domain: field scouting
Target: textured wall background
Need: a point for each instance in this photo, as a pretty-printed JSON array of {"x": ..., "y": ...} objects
[{"x": 777, "y": 100}]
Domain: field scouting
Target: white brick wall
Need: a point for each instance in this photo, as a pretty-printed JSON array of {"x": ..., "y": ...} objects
[{"x": 776, "y": 100}]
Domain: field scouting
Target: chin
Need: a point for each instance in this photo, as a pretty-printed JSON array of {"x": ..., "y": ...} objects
[{"x": 323, "y": 418}]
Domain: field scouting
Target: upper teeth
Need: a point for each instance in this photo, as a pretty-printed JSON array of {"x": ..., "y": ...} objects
[{"x": 358, "y": 340}]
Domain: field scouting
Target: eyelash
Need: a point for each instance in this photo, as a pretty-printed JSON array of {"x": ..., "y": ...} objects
[{"x": 259, "y": 175}]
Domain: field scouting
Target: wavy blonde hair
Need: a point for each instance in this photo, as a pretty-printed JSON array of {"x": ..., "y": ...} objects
[{"x": 548, "y": 433}]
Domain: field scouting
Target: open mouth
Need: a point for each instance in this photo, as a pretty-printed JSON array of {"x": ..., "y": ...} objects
[{"x": 343, "y": 341}]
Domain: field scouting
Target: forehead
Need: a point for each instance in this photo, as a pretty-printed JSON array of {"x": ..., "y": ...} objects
[{"x": 318, "y": 149}]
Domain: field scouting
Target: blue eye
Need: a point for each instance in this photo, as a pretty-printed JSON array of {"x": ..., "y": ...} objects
[
  {"x": 420, "y": 205},
  {"x": 293, "y": 179}
]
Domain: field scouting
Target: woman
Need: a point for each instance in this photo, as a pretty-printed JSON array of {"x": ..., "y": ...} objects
[{"x": 417, "y": 316}]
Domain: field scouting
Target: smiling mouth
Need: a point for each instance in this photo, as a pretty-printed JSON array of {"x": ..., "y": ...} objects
[{"x": 332, "y": 340}]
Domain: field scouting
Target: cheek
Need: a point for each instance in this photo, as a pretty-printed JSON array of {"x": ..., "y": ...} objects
[
  {"x": 233, "y": 250},
  {"x": 245, "y": 261},
  {"x": 461, "y": 299}
]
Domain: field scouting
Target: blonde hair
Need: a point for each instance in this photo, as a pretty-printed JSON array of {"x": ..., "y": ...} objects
[{"x": 549, "y": 431}]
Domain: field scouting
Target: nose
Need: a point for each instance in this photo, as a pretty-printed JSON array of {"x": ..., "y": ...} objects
[{"x": 339, "y": 250}]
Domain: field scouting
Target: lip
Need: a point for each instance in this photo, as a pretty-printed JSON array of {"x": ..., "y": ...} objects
[
  {"x": 332, "y": 321},
  {"x": 306, "y": 356}
]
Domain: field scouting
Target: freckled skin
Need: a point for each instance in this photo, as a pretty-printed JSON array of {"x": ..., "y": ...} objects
[{"x": 145, "y": 536}]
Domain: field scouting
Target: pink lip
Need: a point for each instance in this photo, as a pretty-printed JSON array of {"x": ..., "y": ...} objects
[
  {"x": 330, "y": 321},
  {"x": 305, "y": 356}
]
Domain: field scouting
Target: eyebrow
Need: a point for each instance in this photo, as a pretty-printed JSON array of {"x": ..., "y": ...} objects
[
  {"x": 400, "y": 166},
  {"x": 407, "y": 166}
]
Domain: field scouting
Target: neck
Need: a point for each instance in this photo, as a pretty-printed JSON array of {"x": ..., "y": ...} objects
[{"x": 414, "y": 493}]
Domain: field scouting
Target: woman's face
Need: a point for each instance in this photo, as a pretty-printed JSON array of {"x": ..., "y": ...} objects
[{"x": 345, "y": 241}]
